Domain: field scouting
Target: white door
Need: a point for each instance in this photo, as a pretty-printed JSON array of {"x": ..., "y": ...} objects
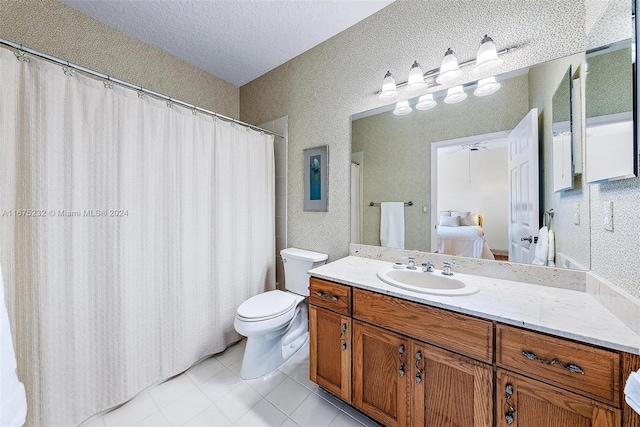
[{"x": 523, "y": 189}]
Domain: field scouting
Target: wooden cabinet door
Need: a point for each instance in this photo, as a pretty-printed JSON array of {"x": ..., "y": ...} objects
[
  {"x": 450, "y": 390},
  {"x": 381, "y": 374},
  {"x": 330, "y": 351},
  {"x": 524, "y": 402}
]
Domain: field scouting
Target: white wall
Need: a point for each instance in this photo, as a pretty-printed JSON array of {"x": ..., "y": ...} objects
[{"x": 487, "y": 193}]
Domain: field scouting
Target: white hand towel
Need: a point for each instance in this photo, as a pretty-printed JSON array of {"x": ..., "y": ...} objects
[
  {"x": 632, "y": 391},
  {"x": 551, "y": 259},
  {"x": 542, "y": 247},
  {"x": 13, "y": 409},
  {"x": 392, "y": 224}
]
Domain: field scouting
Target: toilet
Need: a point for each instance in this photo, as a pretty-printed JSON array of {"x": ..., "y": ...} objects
[{"x": 276, "y": 323}]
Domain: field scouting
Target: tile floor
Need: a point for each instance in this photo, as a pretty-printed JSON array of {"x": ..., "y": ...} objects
[{"x": 212, "y": 394}]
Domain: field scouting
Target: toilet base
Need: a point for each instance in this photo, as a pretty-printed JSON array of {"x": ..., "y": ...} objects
[
  {"x": 266, "y": 353},
  {"x": 263, "y": 355}
]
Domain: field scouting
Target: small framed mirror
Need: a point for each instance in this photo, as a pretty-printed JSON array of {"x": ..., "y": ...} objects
[{"x": 562, "y": 135}]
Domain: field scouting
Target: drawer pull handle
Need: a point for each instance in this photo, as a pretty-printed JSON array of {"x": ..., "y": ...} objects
[
  {"x": 401, "y": 371},
  {"x": 327, "y": 295},
  {"x": 508, "y": 416},
  {"x": 343, "y": 329},
  {"x": 570, "y": 367},
  {"x": 419, "y": 371}
]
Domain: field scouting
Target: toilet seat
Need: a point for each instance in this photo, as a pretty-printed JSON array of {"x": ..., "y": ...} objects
[{"x": 267, "y": 305}]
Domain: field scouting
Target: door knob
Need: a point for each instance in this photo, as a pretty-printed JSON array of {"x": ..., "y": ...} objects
[{"x": 530, "y": 239}]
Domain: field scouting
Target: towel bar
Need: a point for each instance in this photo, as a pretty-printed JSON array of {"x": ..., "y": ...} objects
[{"x": 409, "y": 203}]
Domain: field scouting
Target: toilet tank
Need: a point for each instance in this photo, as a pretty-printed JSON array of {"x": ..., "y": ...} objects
[{"x": 296, "y": 264}]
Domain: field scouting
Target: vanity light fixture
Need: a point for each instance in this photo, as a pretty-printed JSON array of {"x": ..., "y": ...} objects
[
  {"x": 455, "y": 94},
  {"x": 487, "y": 58},
  {"x": 426, "y": 102},
  {"x": 389, "y": 89},
  {"x": 449, "y": 69},
  {"x": 487, "y": 87},
  {"x": 402, "y": 108},
  {"x": 416, "y": 77}
]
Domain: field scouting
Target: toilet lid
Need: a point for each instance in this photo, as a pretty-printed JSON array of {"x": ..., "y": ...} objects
[{"x": 267, "y": 305}]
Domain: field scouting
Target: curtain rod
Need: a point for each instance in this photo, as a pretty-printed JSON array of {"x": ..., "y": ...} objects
[{"x": 132, "y": 86}]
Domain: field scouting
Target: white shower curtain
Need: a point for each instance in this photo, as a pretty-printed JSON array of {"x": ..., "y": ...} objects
[{"x": 149, "y": 226}]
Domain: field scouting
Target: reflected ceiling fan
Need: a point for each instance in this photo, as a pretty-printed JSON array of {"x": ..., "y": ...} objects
[{"x": 476, "y": 146}]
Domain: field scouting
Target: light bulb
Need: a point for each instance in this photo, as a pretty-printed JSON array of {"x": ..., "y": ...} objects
[
  {"x": 449, "y": 69},
  {"x": 389, "y": 89},
  {"x": 402, "y": 108},
  {"x": 455, "y": 94},
  {"x": 487, "y": 86},
  {"x": 416, "y": 77},
  {"x": 487, "y": 58},
  {"x": 426, "y": 102}
]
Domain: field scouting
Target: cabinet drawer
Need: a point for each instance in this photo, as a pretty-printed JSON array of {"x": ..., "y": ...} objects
[
  {"x": 543, "y": 357},
  {"x": 456, "y": 332},
  {"x": 330, "y": 295}
]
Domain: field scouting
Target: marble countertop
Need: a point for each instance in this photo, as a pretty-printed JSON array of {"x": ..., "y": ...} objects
[{"x": 561, "y": 312}]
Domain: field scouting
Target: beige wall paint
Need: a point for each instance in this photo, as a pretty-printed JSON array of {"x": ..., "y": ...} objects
[
  {"x": 56, "y": 29},
  {"x": 320, "y": 89}
]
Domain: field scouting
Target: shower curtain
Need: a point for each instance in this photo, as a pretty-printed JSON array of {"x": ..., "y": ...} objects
[{"x": 130, "y": 231}]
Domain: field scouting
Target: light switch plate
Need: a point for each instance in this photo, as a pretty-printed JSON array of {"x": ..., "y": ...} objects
[
  {"x": 608, "y": 216},
  {"x": 576, "y": 214}
]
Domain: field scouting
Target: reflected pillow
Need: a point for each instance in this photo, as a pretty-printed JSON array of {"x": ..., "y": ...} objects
[
  {"x": 444, "y": 213},
  {"x": 449, "y": 221},
  {"x": 474, "y": 219},
  {"x": 464, "y": 217}
]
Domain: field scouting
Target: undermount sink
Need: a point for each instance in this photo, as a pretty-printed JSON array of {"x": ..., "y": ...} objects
[{"x": 427, "y": 283}]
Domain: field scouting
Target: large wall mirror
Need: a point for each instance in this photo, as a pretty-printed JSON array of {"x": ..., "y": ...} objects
[{"x": 453, "y": 161}]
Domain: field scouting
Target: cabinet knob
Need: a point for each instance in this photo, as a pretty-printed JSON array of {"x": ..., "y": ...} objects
[
  {"x": 402, "y": 364},
  {"x": 418, "y": 370},
  {"x": 343, "y": 329},
  {"x": 508, "y": 416}
]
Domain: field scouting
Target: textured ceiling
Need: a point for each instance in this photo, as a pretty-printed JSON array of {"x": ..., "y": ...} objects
[{"x": 237, "y": 41}]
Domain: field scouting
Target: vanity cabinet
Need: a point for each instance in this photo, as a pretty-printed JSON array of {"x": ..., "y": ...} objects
[
  {"x": 523, "y": 401},
  {"x": 401, "y": 379},
  {"x": 450, "y": 389},
  {"x": 382, "y": 374},
  {"x": 416, "y": 365},
  {"x": 570, "y": 384},
  {"x": 330, "y": 338}
]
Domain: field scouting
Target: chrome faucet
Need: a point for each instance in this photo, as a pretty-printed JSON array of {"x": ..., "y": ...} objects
[
  {"x": 446, "y": 269},
  {"x": 427, "y": 267},
  {"x": 412, "y": 263}
]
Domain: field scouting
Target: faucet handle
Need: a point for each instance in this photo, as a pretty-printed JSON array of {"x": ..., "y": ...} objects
[
  {"x": 427, "y": 267},
  {"x": 449, "y": 264}
]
